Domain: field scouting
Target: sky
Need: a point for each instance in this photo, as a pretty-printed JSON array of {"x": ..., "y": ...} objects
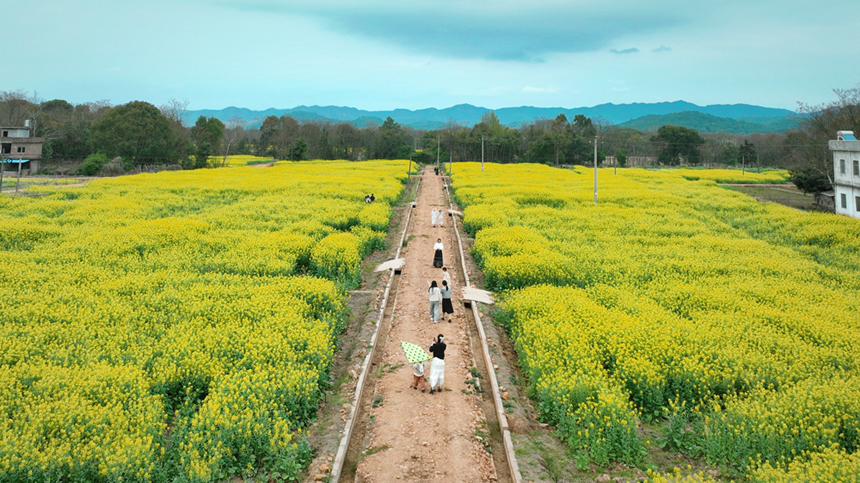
[{"x": 388, "y": 54}]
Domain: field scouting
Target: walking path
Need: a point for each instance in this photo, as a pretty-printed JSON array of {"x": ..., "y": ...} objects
[{"x": 414, "y": 436}]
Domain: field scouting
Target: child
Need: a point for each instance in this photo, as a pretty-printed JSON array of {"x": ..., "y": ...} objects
[{"x": 418, "y": 375}]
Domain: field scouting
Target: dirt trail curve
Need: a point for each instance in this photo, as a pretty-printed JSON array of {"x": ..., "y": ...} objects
[{"x": 410, "y": 435}]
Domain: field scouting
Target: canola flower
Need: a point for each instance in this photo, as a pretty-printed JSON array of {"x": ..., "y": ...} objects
[
  {"x": 178, "y": 326},
  {"x": 673, "y": 299}
]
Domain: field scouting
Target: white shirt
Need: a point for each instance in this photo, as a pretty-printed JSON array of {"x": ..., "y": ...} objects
[{"x": 438, "y": 246}]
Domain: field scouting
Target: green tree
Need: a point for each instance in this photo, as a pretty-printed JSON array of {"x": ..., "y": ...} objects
[
  {"x": 206, "y": 134},
  {"x": 392, "y": 141},
  {"x": 677, "y": 143},
  {"x": 300, "y": 149},
  {"x": 136, "y": 131}
]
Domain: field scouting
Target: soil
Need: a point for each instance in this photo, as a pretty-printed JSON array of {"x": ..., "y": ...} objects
[{"x": 409, "y": 435}]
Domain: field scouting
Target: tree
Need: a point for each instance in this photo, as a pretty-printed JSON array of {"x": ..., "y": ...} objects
[
  {"x": 392, "y": 141},
  {"x": 300, "y": 149},
  {"x": 677, "y": 143},
  {"x": 812, "y": 159},
  {"x": 206, "y": 135},
  {"x": 747, "y": 153},
  {"x": 559, "y": 135},
  {"x": 235, "y": 131},
  {"x": 136, "y": 131}
]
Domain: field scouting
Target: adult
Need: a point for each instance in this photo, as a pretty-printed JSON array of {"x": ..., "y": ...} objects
[
  {"x": 437, "y": 365},
  {"x": 446, "y": 277},
  {"x": 441, "y": 216},
  {"x": 447, "y": 307},
  {"x": 434, "y": 294},
  {"x": 433, "y": 216},
  {"x": 372, "y": 197},
  {"x": 437, "y": 257}
]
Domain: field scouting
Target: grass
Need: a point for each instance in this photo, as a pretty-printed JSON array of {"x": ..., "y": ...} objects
[
  {"x": 784, "y": 195},
  {"x": 375, "y": 449}
]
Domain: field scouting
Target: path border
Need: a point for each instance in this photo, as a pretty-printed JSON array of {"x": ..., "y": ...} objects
[
  {"x": 340, "y": 456},
  {"x": 513, "y": 466}
]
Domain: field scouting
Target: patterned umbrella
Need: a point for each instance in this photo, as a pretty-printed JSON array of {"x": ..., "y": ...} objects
[{"x": 414, "y": 353}]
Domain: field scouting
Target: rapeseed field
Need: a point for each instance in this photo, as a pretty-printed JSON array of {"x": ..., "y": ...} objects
[
  {"x": 733, "y": 325},
  {"x": 178, "y": 326}
]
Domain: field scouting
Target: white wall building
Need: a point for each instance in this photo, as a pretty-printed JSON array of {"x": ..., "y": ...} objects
[{"x": 846, "y": 173}]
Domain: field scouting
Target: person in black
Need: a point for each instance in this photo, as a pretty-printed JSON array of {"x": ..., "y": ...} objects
[
  {"x": 437, "y": 366},
  {"x": 372, "y": 198}
]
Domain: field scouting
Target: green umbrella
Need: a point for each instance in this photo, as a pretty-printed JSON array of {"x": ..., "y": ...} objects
[{"x": 414, "y": 352}]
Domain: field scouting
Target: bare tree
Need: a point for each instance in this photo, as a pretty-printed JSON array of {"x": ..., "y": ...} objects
[
  {"x": 175, "y": 110},
  {"x": 235, "y": 130}
]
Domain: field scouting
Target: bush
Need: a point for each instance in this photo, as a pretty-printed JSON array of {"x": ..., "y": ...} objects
[{"x": 93, "y": 164}]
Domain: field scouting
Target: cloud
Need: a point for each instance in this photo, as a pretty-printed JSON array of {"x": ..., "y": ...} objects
[
  {"x": 631, "y": 50},
  {"x": 499, "y": 30},
  {"x": 662, "y": 48}
]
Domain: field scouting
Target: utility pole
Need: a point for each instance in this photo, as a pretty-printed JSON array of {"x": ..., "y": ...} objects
[
  {"x": 482, "y": 154},
  {"x": 595, "y": 170},
  {"x": 743, "y": 164}
]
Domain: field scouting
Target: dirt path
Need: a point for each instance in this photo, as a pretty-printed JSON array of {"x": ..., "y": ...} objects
[{"x": 414, "y": 436}]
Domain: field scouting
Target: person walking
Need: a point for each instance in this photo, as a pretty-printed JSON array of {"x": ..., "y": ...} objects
[
  {"x": 433, "y": 216},
  {"x": 446, "y": 277},
  {"x": 437, "y": 365},
  {"x": 435, "y": 296},
  {"x": 418, "y": 375},
  {"x": 441, "y": 215},
  {"x": 447, "y": 307},
  {"x": 437, "y": 257}
]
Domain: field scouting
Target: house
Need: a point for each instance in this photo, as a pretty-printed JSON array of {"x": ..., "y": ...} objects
[
  {"x": 19, "y": 150},
  {"x": 846, "y": 173}
]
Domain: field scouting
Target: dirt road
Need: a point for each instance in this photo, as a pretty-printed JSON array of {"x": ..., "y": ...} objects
[{"x": 415, "y": 436}]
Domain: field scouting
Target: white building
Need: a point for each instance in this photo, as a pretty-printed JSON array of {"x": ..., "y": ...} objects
[{"x": 846, "y": 173}]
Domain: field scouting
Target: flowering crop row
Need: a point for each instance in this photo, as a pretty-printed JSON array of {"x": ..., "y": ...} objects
[
  {"x": 737, "y": 321},
  {"x": 178, "y": 326}
]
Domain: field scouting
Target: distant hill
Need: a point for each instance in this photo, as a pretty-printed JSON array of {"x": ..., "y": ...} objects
[
  {"x": 709, "y": 123},
  {"x": 469, "y": 115}
]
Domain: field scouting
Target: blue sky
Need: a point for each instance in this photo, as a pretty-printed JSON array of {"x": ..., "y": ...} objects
[{"x": 386, "y": 54}]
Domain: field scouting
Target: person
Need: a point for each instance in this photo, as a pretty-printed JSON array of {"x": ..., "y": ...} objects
[
  {"x": 437, "y": 366},
  {"x": 372, "y": 198},
  {"x": 435, "y": 296},
  {"x": 447, "y": 307},
  {"x": 437, "y": 257},
  {"x": 446, "y": 277},
  {"x": 441, "y": 217},
  {"x": 433, "y": 215},
  {"x": 418, "y": 376},
  {"x": 366, "y": 198}
]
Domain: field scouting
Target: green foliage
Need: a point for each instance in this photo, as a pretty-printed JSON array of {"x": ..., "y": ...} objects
[
  {"x": 137, "y": 131},
  {"x": 93, "y": 164},
  {"x": 676, "y": 143},
  {"x": 810, "y": 180}
]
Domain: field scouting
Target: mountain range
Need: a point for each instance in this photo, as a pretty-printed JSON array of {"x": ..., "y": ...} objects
[{"x": 735, "y": 118}]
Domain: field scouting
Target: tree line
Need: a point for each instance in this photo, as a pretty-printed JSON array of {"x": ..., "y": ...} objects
[{"x": 143, "y": 134}]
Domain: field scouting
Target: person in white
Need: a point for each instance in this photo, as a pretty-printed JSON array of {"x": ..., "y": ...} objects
[
  {"x": 434, "y": 215},
  {"x": 437, "y": 366},
  {"x": 435, "y": 296},
  {"x": 441, "y": 217},
  {"x": 418, "y": 376},
  {"x": 446, "y": 277}
]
